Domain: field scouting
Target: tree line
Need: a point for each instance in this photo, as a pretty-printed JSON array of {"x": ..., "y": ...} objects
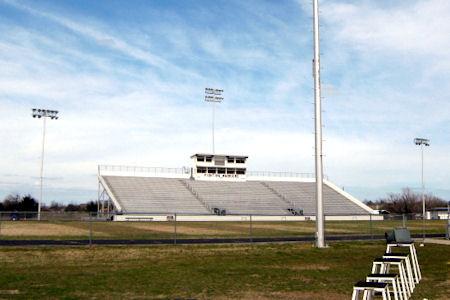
[
  {"x": 16, "y": 202},
  {"x": 406, "y": 202}
]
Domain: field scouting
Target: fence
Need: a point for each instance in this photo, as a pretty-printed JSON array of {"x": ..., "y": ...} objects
[{"x": 23, "y": 227}]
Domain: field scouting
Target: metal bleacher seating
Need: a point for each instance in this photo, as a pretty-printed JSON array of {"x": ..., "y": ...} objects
[
  {"x": 155, "y": 195},
  {"x": 302, "y": 194},
  {"x": 187, "y": 196},
  {"x": 250, "y": 197}
]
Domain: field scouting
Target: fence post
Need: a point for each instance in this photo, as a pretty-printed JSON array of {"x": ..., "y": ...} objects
[
  {"x": 448, "y": 220},
  {"x": 404, "y": 220},
  {"x": 175, "y": 229},
  {"x": 90, "y": 230},
  {"x": 370, "y": 227},
  {"x": 251, "y": 229},
  {"x": 0, "y": 224}
]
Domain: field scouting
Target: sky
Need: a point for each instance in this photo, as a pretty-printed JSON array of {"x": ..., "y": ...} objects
[{"x": 128, "y": 80}]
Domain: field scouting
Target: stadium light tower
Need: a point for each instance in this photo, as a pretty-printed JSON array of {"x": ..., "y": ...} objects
[
  {"x": 214, "y": 96},
  {"x": 320, "y": 225},
  {"x": 43, "y": 114},
  {"x": 422, "y": 142}
]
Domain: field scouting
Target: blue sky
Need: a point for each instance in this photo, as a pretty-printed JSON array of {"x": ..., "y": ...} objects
[{"x": 128, "y": 79}]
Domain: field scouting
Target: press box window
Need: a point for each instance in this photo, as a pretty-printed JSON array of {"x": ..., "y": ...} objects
[
  {"x": 240, "y": 171},
  {"x": 231, "y": 171},
  {"x": 201, "y": 170}
]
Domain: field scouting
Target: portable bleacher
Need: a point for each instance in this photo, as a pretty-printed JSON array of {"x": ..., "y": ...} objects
[{"x": 218, "y": 185}]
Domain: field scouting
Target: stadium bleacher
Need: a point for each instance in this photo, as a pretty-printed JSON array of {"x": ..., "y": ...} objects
[
  {"x": 187, "y": 196},
  {"x": 239, "y": 197},
  {"x": 302, "y": 194},
  {"x": 153, "y": 195}
]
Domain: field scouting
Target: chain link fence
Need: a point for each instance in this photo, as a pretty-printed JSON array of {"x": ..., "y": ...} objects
[{"x": 86, "y": 228}]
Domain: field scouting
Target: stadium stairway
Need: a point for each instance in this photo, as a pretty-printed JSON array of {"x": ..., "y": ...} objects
[
  {"x": 249, "y": 197},
  {"x": 196, "y": 195},
  {"x": 292, "y": 206}
]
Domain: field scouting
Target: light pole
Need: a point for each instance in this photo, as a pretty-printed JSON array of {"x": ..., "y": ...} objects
[
  {"x": 422, "y": 142},
  {"x": 214, "y": 96},
  {"x": 320, "y": 223},
  {"x": 43, "y": 114}
]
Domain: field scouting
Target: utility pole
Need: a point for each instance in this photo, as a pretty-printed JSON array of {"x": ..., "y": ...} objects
[{"x": 320, "y": 224}]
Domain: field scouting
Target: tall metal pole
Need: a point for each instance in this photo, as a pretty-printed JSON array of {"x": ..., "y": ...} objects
[
  {"x": 422, "y": 142},
  {"x": 213, "y": 120},
  {"x": 42, "y": 168},
  {"x": 423, "y": 200},
  {"x": 44, "y": 114},
  {"x": 214, "y": 96},
  {"x": 320, "y": 231}
]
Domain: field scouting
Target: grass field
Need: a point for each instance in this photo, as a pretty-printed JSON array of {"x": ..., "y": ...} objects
[
  {"x": 148, "y": 230},
  {"x": 268, "y": 271}
]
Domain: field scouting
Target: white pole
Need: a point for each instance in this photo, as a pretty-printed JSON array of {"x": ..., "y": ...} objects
[
  {"x": 320, "y": 232},
  {"x": 423, "y": 201},
  {"x": 213, "y": 120},
  {"x": 42, "y": 168}
]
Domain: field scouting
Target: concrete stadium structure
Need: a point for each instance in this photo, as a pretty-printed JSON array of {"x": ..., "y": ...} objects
[{"x": 218, "y": 187}]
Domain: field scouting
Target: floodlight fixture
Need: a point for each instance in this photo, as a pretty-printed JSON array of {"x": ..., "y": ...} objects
[
  {"x": 213, "y": 96},
  {"x": 44, "y": 114},
  {"x": 213, "y": 91},
  {"x": 422, "y": 141}
]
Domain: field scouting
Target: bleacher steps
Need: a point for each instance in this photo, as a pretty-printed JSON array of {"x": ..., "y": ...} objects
[{"x": 195, "y": 194}]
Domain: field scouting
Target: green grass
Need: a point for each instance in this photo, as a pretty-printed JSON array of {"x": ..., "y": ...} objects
[
  {"x": 270, "y": 271},
  {"x": 149, "y": 230}
]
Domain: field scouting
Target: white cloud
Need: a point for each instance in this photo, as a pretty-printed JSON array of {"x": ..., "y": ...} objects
[
  {"x": 413, "y": 27},
  {"x": 151, "y": 112}
]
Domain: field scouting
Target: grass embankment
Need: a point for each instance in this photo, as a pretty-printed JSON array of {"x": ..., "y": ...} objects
[
  {"x": 148, "y": 230},
  {"x": 271, "y": 271}
]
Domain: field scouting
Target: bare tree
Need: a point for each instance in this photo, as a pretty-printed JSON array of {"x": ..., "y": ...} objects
[{"x": 406, "y": 202}]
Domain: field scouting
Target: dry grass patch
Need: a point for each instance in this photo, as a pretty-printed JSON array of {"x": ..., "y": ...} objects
[
  {"x": 39, "y": 229},
  {"x": 254, "y": 295},
  {"x": 304, "y": 267},
  {"x": 182, "y": 229},
  {"x": 295, "y": 228},
  {"x": 9, "y": 292}
]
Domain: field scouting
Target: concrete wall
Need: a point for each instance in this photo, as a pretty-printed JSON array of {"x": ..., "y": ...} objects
[{"x": 210, "y": 218}]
